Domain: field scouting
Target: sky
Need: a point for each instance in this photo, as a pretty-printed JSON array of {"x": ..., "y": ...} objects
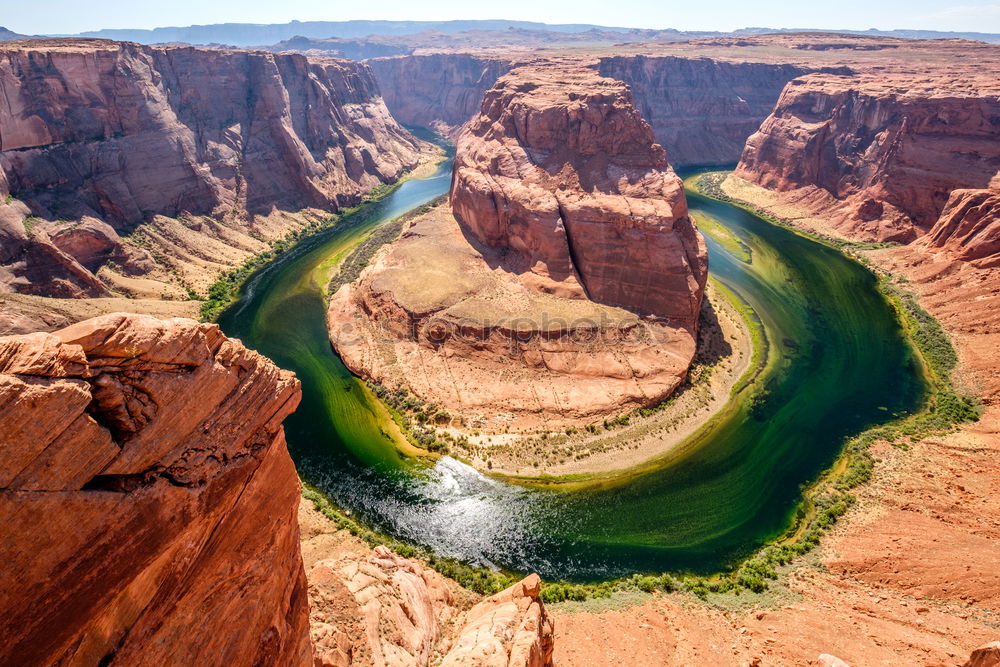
[{"x": 72, "y": 16}]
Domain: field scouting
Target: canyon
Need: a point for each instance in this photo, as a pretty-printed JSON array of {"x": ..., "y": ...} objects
[
  {"x": 157, "y": 489},
  {"x": 130, "y": 171},
  {"x": 564, "y": 284}
]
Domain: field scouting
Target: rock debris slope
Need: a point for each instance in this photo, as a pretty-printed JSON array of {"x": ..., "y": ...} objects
[{"x": 387, "y": 610}]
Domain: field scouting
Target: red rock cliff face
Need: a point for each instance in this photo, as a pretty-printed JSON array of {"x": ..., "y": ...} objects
[
  {"x": 889, "y": 149},
  {"x": 969, "y": 227},
  {"x": 440, "y": 91},
  {"x": 701, "y": 110},
  {"x": 120, "y": 133},
  {"x": 147, "y": 498},
  {"x": 561, "y": 171}
]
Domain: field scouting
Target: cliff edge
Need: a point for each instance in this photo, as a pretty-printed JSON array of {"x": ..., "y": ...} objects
[{"x": 148, "y": 500}]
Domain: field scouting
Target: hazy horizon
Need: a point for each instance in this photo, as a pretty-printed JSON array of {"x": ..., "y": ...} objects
[{"x": 65, "y": 17}]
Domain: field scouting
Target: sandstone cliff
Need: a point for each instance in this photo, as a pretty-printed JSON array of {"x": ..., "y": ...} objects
[
  {"x": 565, "y": 284},
  {"x": 111, "y": 135},
  {"x": 148, "y": 500},
  {"x": 561, "y": 172},
  {"x": 879, "y": 154},
  {"x": 441, "y": 91},
  {"x": 702, "y": 110}
]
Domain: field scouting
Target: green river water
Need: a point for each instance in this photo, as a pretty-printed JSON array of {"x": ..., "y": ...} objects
[{"x": 836, "y": 363}]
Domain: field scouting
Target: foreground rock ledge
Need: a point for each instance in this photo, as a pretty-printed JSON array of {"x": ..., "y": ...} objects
[{"x": 148, "y": 500}]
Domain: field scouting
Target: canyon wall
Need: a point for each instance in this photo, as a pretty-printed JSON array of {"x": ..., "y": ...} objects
[
  {"x": 440, "y": 91},
  {"x": 148, "y": 500},
  {"x": 879, "y": 155},
  {"x": 109, "y": 136},
  {"x": 560, "y": 170},
  {"x": 701, "y": 110}
]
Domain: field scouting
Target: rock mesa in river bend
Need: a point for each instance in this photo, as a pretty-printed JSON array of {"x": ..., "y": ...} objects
[
  {"x": 561, "y": 173},
  {"x": 565, "y": 283}
]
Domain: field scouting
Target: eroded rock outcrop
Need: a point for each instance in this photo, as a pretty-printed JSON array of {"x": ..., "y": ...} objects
[
  {"x": 388, "y": 610},
  {"x": 878, "y": 154},
  {"x": 566, "y": 281},
  {"x": 147, "y": 498},
  {"x": 122, "y": 133},
  {"x": 987, "y": 655},
  {"x": 969, "y": 227},
  {"x": 511, "y": 627}
]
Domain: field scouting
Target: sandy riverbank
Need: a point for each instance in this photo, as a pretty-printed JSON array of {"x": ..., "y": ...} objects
[{"x": 725, "y": 352}]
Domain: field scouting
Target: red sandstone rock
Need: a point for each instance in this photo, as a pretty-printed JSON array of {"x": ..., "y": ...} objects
[
  {"x": 402, "y": 608},
  {"x": 561, "y": 171},
  {"x": 392, "y": 611},
  {"x": 440, "y": 91},
  {"x": 120, "y": 133},
  {"x": 147, "y": 498},
  {"x": 436, "y": 315},
  {"x": 985, "y": 656},
  {"x": 891, "y": 148},
  {"x": 510, "y": 628},
  {"x": 969, "y": 227},
  {"x": 571, "y": 284},
  {"x": 702, "y": 110}
]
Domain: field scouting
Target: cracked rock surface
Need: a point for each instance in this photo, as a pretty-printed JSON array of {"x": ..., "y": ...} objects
[{"x": 148, "y": 499}]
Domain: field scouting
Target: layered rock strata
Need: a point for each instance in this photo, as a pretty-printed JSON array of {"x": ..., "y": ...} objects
[
  {"x": 561, "y": 174},
  {"x": 702, "y": 110},
  {"x": 387, "y": 610},
  {"x": 99, "y": 139},
  {"x": 567, "y": 281},
  {"x": 441, "y": 91},
  {"x": 879, "y": 156},
  {"x": 148, "y": 500}
]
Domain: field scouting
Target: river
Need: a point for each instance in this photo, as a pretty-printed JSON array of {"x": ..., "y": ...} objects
[{"x": 837, "y": 362}]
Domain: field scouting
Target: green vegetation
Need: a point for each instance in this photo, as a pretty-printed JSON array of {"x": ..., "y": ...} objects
[
  {"x": 29, "y": 224},
  {"x": 360, "y": 257},
  {"x": 724, "y": 237},
  {"x": 225, "y": 290},
  {"x": 8, "y": 199},
  {"x": 416, "y": 419}
]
